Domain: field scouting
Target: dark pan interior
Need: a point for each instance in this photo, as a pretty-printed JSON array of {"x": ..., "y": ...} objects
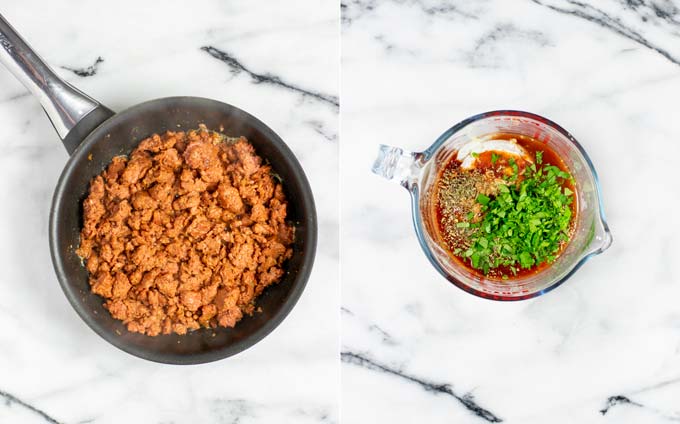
[{"x": 119, "y": 136}]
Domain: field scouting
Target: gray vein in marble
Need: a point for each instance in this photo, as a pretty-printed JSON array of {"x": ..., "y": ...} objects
[
  {"x": 19, "y": 96},
  {"x": 665, "y": 11},
  {"x": 237, "y": 67},
  {"x": 504, "y": 31},
  {"x": 346, "y": 311},
  {"x": 355, "y": 9},
  {"x": 466, "y": 400},
  {"x": 617, "y": 400},
  {"x": 234, "y": 411},
  {"x": 384, "y": 335},
  {"x": 445, "y": 8},
  {"x": 86, "y": 72},
  {"x": 391, "y": 47},
  {"x": 658, "y": 385},
  {"x": 320, "y": 415},
  {"x": 319, "y": 128},
  {"x": 593, "y": 14},
  {"x": 11, "y": 399},
  {"x": 484, "y": 54},
  {"x": 439, "y": 8}
]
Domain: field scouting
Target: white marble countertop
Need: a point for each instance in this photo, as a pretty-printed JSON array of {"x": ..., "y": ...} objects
[
  {"x": 602, "y": 348},
  {"x": 279, "y": 64}
]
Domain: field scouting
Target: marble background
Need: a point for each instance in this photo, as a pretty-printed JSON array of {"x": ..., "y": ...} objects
[
  {"x": 267, "y": 58},
  {"x": 602, "y": 348}
]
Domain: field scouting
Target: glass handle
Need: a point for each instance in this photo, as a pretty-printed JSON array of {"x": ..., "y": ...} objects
[{"x": 396, "y": 164}]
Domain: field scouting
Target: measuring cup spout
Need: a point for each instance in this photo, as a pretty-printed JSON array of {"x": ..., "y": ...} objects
[
  {"x": 73, "y": 113},
  {"x": 601, "y": 238}
]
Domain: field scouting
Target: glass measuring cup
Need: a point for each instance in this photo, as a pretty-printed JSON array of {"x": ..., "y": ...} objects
[{"x": 418, "y": 173}]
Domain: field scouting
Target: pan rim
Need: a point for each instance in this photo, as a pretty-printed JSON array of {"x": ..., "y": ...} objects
[{"x": 299, "y": 283}]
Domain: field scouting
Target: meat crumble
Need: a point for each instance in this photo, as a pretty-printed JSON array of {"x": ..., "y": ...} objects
[{"x": 184, "y": 233}]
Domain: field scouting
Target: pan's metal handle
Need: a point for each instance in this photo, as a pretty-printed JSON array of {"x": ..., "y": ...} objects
[{"x": 73, "y": 113}]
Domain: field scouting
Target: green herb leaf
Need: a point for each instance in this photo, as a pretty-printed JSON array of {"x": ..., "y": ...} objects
[{"x": 525, "y": 224}]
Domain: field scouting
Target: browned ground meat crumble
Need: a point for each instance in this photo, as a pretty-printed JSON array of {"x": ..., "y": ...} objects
[{"x": 185, "y": 233}]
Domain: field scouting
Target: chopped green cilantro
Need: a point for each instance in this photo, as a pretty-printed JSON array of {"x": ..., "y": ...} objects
[{"x": 525, "y": 224}]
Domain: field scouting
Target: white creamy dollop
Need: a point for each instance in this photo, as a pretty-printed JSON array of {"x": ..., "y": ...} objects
[{"x": 505, "y": 148}]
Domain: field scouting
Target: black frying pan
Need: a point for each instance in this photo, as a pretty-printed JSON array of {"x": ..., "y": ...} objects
[{"x": 93, "y": 135}]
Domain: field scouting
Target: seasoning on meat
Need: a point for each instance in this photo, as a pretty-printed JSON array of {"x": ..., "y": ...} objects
[{"x": 185, "y": 233}]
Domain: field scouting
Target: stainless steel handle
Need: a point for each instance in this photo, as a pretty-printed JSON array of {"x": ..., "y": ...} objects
[{"x": 64, "y": 104}]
